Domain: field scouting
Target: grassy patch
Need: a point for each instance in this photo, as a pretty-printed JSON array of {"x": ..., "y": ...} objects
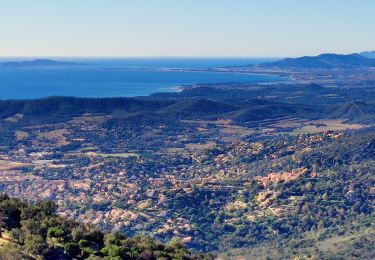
[
  {"x": 88, "y": 149},
  {"x": 320, "y": 126},
  {"x": 6, "y": 165},
  {"x": 20, "y": 135},
  {"x": 118, "y": 155}
]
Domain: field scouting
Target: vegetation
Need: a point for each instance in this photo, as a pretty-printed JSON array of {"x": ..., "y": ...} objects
[
  {"x": 234, "y": 168},
  {"x": 36, "y": 230}
]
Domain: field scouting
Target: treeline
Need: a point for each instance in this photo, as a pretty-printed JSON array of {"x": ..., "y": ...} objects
[
  {"x": 36, "y": 230},
  {"x": 59, "y": 109}
]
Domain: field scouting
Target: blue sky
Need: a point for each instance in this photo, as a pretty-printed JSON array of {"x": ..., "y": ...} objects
[{"x": 244, "y": 28}]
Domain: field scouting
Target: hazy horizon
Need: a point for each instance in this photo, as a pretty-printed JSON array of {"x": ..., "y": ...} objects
[{"x": 172, "y": 57}]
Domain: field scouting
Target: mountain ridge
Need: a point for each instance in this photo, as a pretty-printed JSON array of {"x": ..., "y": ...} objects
[
  {"x": 37, "y": 63},
  {"x": 322, "y": 61}
]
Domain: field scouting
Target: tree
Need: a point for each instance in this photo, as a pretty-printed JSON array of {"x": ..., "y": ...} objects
[
  {"x": 308, "y": 186},
  {"x": 114, "y": 238},
  {"x": 113, "y": 251},
  {"x": 35, "y": 244},
  {"x": 10, "y": 213},
  {"x": 2, "y": 222},
  {"x": 72, "y": 249},
  {"x": 17, "y": 235},
  {"x": 55, "y": 232}
]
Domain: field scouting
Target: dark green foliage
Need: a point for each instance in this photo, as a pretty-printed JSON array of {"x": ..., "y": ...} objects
[
  {"x": 35, "y": 244},
  {"x": 37, "y": 230},
  {"x": 72, "y": 249},
  {"x": 55, "y": 232}
]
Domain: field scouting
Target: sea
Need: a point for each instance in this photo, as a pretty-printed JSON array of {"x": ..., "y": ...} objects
[{"x": 120, "y": 77}]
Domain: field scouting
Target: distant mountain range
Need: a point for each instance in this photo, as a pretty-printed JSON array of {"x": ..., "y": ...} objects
[
  {"x": 368, "y": 54},
  {"x": 37, "y": 63},
  {"x": 323, "y": 61}
]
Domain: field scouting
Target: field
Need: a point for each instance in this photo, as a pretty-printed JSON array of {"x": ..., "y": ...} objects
[
  {"x": 14, "y": 119},
  {"x": 298, "y": 126},
  {"x": 20, "y": 135},
  {"x": 320, "y": 126},
  {"x": 56, "y": 136},
  {"x": 118, "y": 155},
  {"x": 6, "y": 165},
  {"x": 200, "y": 146}
]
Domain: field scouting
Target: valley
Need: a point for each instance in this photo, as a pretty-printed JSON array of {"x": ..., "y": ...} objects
[{"x": 193, "y": 168}]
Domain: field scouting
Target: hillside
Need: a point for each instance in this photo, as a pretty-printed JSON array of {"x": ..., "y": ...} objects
[
  {"x": 57, "y": 109},
  {"x": 35, "y": 230},
  {"x": 61, "y": 108},
  {"x": 355, "y": 112},
  {"x": 354, "y": 243},
  {"x": 197, "y": 108},
  {"x": 368, "y": 152},
  {"x": 323, "y": 61}
]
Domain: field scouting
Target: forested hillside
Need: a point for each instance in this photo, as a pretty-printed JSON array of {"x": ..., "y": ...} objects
[{"x": 35, "y": 230}]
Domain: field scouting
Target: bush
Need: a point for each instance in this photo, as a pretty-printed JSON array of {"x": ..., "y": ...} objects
[
  {"x": 72, "y": 249},
  {"x": 113, "y": 251},
  {"x": 55, "y": 232}
]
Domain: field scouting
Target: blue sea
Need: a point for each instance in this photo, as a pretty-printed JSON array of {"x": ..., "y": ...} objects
[{"x": 118, "y": 77}]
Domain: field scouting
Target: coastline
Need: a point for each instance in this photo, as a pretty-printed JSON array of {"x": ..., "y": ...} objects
[{"x": 88, "y": 82}]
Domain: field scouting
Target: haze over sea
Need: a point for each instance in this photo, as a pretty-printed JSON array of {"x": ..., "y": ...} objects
[{"x": 117, "y": 77}]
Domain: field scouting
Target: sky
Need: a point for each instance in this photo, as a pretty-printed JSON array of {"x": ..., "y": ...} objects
[{"x": 185, "y": 28}]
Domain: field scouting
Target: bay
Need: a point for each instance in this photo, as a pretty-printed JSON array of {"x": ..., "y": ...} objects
[{"x": 117, "y": 77}]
